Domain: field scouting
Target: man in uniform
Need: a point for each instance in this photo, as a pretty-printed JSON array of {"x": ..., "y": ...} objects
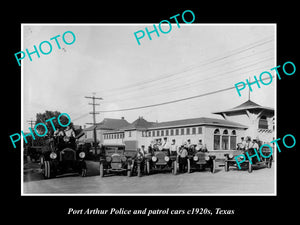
[
  {"x": 173, "y": 148},
  {"x": 166, "y": 145},
  {"x": 182, "y": 152}
]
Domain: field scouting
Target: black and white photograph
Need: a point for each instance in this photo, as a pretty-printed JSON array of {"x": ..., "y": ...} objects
[{"x": 140, "y": 109}]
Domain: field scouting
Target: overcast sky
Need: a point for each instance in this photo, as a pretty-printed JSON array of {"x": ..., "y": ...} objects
[{"x": 106, "y": 60}]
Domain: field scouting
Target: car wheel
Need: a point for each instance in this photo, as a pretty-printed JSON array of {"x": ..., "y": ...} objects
[
  {"x": 101, "y": 170},
  {"x": 139, "y": 173},
  {"x": 213, "y": 166},
  {"x": 269, "y": 163},
  {"x": 226, "y": 166},
  {"x": 48, "y": 170},
  {"x": 148, "y": 167},
  {"x": 250, "y": 168},
  {"x": 128, "y": 170},
  {"x": 174, "y": 167},
  {"x": 188, "y": 165}
]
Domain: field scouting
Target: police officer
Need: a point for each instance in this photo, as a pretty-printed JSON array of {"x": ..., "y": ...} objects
[{"x": 173, "y": 148}]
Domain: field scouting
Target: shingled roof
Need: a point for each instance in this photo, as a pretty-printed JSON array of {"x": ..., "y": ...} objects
[
  {"x": 139, "y": 124},
  {"x": 109, "y": 124},
  {"x": 245, "y": 106}
]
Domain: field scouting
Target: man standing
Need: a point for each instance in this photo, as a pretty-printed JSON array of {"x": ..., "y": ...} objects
[
  {"x": 166, "y": 145},
  {"x": 182, "y": 152},
  {"x": 173, "y": 148}
]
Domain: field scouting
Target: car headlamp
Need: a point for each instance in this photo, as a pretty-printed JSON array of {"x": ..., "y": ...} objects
[
  {"x": 53, "y": 155},
  {"x": 154, "y": 158},
  {"x": 167, "y": 158},
  {"x": 241, "y": 157},
  {"x": 66, "y": 138},
  {"x": 108, "y": 158},
  {"x": 82, "y": 155},
  {"x": 195, "y": 158},
  {"x": 206, "y": 158},
  {"x": 230, "y": 156}
]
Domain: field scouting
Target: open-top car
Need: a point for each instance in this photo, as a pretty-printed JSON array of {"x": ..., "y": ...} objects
[
  {"x": 114, "y": 159},
  {"x": 246, "y": 164},
  {"x": 61, "y": 157},
  {"x": 161, "y": 160},
  {"x": 201, "y": 160}
]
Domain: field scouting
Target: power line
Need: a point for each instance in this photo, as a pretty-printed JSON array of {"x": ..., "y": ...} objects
[
  {"x": 234, "y": 52},
  {"x": 181, "y": 85},
  {"x": 174, "y": 101}
]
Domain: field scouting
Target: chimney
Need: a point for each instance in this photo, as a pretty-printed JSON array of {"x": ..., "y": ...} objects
[{"x": 122, "y": 118}]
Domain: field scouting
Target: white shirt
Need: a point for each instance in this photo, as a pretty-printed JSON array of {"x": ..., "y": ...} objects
[
  {"x": 255, "y": 145},
  {"x": 70, "y": 133},
  {"x": 173, "y": 147},
  {"x": 166, "y": 145}
]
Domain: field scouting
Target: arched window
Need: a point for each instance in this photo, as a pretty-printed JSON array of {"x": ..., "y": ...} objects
[
  {"x": 225, "y": 140},
  {"x": 233, "y": 140},
  {"x": 217, "y": 139},
  {"x": 263, "y": 123}
]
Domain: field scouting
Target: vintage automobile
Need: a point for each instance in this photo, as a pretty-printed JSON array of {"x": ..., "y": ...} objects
[
  {"x": 198, "y": 160},
  {"x": 230, "y": 159},
  {"x": 62, "y": 157},
  {"x": 114, "y": 159},
  {"x": 160, "y": 160}
]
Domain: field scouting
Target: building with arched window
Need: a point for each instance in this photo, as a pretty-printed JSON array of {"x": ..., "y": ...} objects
[{"x": 259, "y": 119}]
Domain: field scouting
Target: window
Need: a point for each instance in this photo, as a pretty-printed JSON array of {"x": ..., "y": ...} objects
[
  {"x": 157, "y": 133},
  {"x": 182, "y": 131},
  {"x": 129, "y": 134},
  {"x": 149, "y": 133},
  {"x": 167, "y": 132},
  {"x": 187, "y": 130},
  {"x": 217, "y": 139},
  {"x": 162, "y": 133},
  {"x": 194, "y": 130},
  {"x": 172, "y": 132},
  {"x": 177, "y": 131},
  {"x": 225, "y": 140},
  {"x": 153, "y": 133},
  {"x": 233, "y": 140},
  {"x": 263, "y": 123},
  {"x": 199, "y": 130}
]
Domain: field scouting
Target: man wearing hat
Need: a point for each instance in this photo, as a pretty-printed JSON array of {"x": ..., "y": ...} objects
[{"x": 173, "y": 148}]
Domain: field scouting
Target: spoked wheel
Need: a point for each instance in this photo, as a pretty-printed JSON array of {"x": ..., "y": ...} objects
[
  {"x": 47, "y": 170},
  {"x": 139, "y": 172},
  {"x": 250, "y": 168},
  {"x": 128, "y": 170},
  {"x": 148, "y": 167},
  {"x": 101, "y": 170},
  {"x": 189, "y": 165},
  {"x": 174, "y": 167},
  {"x": 269, "y": 164},
  {"x": 213, "y": 166},
  {"x": 226, "y": 166}
]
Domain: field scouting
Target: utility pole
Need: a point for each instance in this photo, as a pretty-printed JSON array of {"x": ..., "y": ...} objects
[
  {"x": 94, "y": 118},
  {"x": 31, "y": 122}
]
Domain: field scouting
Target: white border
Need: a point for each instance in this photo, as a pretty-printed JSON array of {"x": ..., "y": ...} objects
[{"x": 154, "y": 194}]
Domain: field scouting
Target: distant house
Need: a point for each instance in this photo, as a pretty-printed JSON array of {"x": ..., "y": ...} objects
[{"x": 108, "y": 124}]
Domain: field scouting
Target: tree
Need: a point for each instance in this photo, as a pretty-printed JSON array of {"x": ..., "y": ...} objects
[{"x": 42, "y": 117}]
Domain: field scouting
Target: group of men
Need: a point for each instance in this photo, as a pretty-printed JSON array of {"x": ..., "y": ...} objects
[
  {"x": 247, "y": 144},
  {"x": 172, "y": 148}
]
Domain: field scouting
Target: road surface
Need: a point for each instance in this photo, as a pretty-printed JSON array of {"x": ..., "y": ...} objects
[{"x": 260, "y": 181}]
